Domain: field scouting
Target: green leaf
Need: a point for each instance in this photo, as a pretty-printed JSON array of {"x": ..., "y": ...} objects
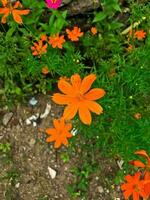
[
  {"x": 99, "y": 17},
  {"x": 10, "y": 32}
]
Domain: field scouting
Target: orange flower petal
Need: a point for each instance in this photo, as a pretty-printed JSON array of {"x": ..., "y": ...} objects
[
  {"x": 136, "y": 195},
  {"x": 76, "y": 81},
  {"x": 60, "y": 99},
  {"x": 4, "y": 2},
  {"x": 17, "y": 4},
  {"x": 4, "y": 11},
  {"x": 16, "y": 15},
  {"x": 127, "y": 194},
  {"x": 57, "y": 144},
  {"x": 65, "y": 141},
  {"x": 137, "y": 163},
  {"x": 94, "y": 107},
  {"x": 142, "y": 153},
  {"x": 95, "y": 94},
  {"x": 58, "y": 124},
  {"x": 87, "y": 82},
  {"x": 84, "y": 114},
  {"x": 128, "y": 178},
  {"x": 70, "y": 111},
  {"x": 51, "y": 131},
  {"x": 65, "y": 87},
  {"x": 50, "y": 139}
]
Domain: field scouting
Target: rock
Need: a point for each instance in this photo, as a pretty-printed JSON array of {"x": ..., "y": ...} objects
[
  {"x": 33, "y": 101},
  {"x": 52, "y": 172},
  {"x": 17, "y": 185},
  {"x": 81, "y": 6},
  {"x": 64, "y": 2},
  {"x": 100, "y": 189},
  {"x": 7, "y": 117}
]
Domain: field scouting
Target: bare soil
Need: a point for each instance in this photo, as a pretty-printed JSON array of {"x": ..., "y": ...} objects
[{"x": 24, "y": 173}]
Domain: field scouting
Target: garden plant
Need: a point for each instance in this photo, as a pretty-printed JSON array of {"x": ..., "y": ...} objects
[{"x": 94, "y": 67}]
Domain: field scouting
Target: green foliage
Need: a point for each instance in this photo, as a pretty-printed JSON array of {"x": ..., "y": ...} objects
[
  {"x": 124, "y": 75},
  {"x": 4, "y": 148}
]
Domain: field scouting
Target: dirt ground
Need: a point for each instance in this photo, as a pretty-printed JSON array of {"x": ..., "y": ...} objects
[{"x": 25, "y": 176}]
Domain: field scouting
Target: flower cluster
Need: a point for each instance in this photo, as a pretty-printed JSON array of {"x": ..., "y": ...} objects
[
  {"x": 40, "y": 47},
  {"x": 56, "y": 41},
  {"x": 78, "y": 97},
  {"x": 138, "y": 185},
  {"x": 138, "y": 35}
]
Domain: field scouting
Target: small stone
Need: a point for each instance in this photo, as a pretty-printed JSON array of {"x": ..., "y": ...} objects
[
  {"x": 100, "y": 189},
  {"x": 17, "y": 185},
  {"x": 52, "y": 172},
  {"x": 33, "y": 101},
  {"x": 107, "y": 191},
  {"x": 7, "y": 117}
]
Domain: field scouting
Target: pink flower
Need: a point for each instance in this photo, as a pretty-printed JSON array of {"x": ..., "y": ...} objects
[{"x": 54, "y": 4}]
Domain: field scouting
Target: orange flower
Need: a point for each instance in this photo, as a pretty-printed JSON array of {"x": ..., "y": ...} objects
[
  {"x": 8, "y": 9},
  {"x": 45, "y": 70},
  {"x": 140, "y": 34},
  {"x": 137, "y": 116},
  {"x": 74, "y": 34},
  {"x": 56, "y": 41},
  {"x": 59, "y": 133},
  {"x": 146, "y": 166},
  {"x": 138, "y": 163},
  {"x": 134, "y": 187},
  {"x": 79, "y": 97},
  {"x": 43, "y": 37},
  {"x": 94, "y": 30},
  {"x": 39, "y": 48}
]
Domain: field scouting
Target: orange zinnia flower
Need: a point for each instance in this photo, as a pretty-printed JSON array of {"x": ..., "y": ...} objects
[
  {"x": 59, "y": 133},
  {"x": 56, "y": 41},
  {"x": 74, "y": 34},
  {"x": 94, "y": 30},
  {"x": 134, "y": 187},
  {"x": 39, "y": 48},
  {"x": 45, "y": 70},
  {"x": 146, "y": 166},
  {"x": 79, "y": 97},
  {"x": 8, "y": 9},
  {"x": 140, "y": 34}
]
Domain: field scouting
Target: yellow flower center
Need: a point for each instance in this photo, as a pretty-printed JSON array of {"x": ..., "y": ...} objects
[{"x": 53, "y": 1}]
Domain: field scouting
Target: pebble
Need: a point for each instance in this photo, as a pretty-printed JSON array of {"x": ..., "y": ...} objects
[
  {"x": 17, "y": 185},
  {"x": 100, "y": 189},
  {"x": 7, "y": 117},
  {"x": 52, "y": 172}
]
